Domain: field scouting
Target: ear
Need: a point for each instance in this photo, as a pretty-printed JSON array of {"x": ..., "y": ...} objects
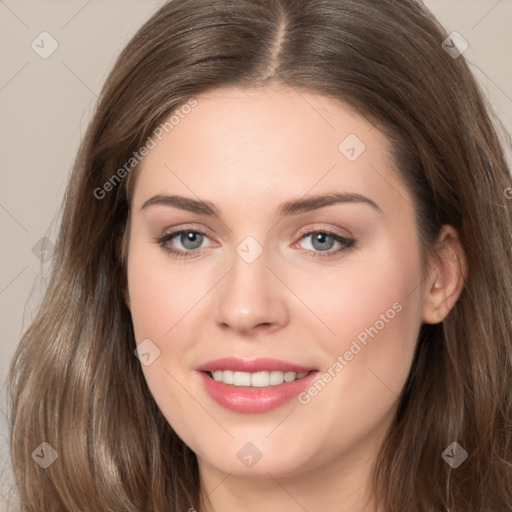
[{"x": 447, "y": 273}]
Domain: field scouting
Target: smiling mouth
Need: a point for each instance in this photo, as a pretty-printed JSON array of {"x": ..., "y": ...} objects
[
  {"x": 254, "y": 385},
  {"x": 255, "y": 379}
]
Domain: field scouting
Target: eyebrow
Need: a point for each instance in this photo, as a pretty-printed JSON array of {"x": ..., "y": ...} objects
[{"x": 292, "y": 207}]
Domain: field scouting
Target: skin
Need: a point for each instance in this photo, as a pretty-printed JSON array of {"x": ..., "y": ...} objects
[{"x": 247, "y": 151}]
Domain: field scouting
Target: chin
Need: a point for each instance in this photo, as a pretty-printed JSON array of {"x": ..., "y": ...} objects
[{"x": 258, "y": 458}]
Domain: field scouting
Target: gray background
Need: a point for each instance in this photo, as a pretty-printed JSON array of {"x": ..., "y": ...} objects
[{"x": 45, "y": 105}]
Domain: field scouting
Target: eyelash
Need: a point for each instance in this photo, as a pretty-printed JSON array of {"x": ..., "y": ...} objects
[{"x": 347, "y": 243}]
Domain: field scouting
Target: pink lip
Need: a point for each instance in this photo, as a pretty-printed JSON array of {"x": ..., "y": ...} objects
[
  {"x": 251, "y": 365},
  {"x": 248, "y": 399}
]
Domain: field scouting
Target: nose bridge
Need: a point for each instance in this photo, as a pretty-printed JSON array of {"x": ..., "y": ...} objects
[{"x": 251, "y": 296}]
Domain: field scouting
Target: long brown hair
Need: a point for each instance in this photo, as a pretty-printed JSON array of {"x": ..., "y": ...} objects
[{"x": 75, "y": 382}]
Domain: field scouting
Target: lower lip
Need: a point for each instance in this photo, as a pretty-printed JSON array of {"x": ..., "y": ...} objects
[{"x": 251, "y": 399}]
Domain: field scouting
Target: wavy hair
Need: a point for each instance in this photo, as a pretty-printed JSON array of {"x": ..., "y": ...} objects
[{"x": 74, "y": 381}]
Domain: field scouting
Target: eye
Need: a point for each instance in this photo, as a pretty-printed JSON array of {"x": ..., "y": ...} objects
[
  {"x": 187, "y": 243},
  {"x": 320, "y": 243},
  {"x": 183, "y": 243}
]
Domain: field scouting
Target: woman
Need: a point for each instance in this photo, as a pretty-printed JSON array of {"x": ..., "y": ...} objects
[{"x": 283, "y": 275}]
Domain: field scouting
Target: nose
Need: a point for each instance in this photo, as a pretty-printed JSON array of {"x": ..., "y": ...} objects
[{"x": 251, "y": 300}]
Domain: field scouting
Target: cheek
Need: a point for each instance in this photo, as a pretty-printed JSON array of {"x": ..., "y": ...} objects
[
  {"x": 161, "y": 299},
  {"x": 150, "y": 306},
  {"x": 372, "y": 307},
  {"x": 377, "y": 290},
  {"x": 161, "y": 295},
  {"x": 381, "y": 302},
  {"x": 374, "y": 311}
]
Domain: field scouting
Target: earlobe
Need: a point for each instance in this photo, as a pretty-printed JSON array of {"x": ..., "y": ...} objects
[{"x": 445, "y": 281}]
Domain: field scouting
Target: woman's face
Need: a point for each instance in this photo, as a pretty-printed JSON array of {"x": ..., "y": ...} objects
[{"x": 273, "y": 281}]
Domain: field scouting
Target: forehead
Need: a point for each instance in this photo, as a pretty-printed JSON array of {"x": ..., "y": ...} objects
[{"x": 250, "y": 146}]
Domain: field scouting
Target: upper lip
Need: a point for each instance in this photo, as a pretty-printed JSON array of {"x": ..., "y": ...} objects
[{"x": 252, "y": 365}]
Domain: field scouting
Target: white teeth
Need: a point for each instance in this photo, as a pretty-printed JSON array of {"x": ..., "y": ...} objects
[
  {"x": 260, "y": 379},
  {"x": 228, "y": 376},
  {"x": 256, "y": 379},
  {"x": 242, "y": 379},
  {"x": 289, "y": 376},
  {"x": 276, "y": 378}
]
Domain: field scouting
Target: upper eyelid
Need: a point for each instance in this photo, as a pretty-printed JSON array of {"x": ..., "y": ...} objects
[
  {"x": 166, "y": 237},
  {"x": 328, "y": 231},
  {"x": 175, "y": 231}
]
